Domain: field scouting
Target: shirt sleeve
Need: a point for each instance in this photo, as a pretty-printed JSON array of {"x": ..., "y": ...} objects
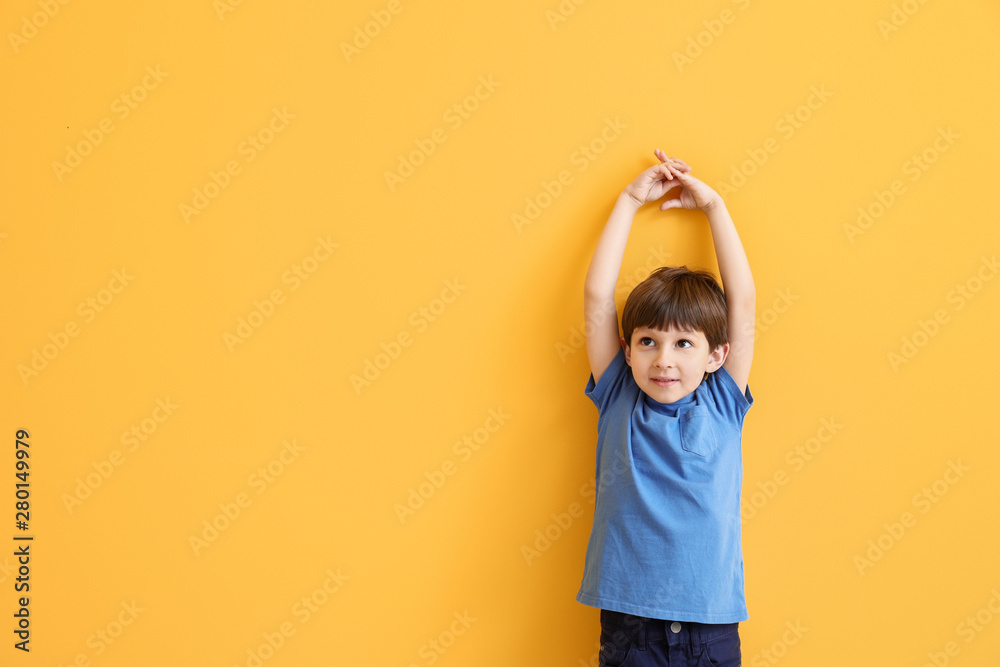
[
  {"x": 611, "y": 384},
  {"x": 729, "y": 400}
]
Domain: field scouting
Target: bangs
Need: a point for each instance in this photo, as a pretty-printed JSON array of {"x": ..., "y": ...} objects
[{"x": 665, "y": 313}]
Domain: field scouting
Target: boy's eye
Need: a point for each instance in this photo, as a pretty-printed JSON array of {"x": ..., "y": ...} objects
[
  {"x": 682, "y": 343},
  {"x": 644, "y": 339}
]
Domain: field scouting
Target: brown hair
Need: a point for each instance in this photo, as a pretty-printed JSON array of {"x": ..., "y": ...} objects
[{"x": 680, "y": 297}]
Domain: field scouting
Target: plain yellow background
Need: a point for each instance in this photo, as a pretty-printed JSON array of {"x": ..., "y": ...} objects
[{"x": 722, "y": 84}]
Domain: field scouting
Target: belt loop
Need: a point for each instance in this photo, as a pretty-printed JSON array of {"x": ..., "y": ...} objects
[
  {"x": 635, "y": 627},
  {"x": 663, "y": 625},
  {"x": 640, "y": 640}
]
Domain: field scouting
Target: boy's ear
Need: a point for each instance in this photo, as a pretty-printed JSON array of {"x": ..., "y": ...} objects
[
  {"x": 717, "y": 358},
  {"x": 625, "y": 346}
]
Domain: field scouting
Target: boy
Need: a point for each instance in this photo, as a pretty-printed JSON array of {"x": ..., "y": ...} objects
[{"x": 664, "y": 562}]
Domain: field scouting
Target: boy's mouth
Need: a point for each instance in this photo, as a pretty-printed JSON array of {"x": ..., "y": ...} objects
[{"x": 664, "y": 382}]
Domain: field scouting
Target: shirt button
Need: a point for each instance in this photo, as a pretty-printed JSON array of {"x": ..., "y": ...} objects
[{"x": 675, "y": 627}]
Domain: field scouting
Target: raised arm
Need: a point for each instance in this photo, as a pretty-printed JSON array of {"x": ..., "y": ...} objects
[
  {"x": 737, "y": 281},
  {"x": 741, "y": 295},
  {"x": 600, "y": 314}
]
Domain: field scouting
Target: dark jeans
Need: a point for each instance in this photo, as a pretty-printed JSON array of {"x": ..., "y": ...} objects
[{"x": 638, "y": 641}]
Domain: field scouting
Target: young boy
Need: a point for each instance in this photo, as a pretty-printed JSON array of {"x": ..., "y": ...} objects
[{"x": 665, "y": 562}]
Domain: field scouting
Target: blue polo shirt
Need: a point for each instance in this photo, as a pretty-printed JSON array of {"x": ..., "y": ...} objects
[{"x": 667, "y": 540}]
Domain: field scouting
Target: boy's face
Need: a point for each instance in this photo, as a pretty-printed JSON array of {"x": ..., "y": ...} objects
[{"x": 669, "y": 365}]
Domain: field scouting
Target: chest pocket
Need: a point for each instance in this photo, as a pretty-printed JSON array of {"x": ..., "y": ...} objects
[{"x": 697, "y": 431}]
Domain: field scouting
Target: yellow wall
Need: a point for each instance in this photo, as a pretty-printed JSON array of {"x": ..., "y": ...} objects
[{"x": 200, "y": 242}]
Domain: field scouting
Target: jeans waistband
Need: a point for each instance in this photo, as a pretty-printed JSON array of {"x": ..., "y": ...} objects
[{"x": 642, "y": 629}]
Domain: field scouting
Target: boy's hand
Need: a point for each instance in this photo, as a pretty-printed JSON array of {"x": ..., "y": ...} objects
[
  {"x": 656, "y": 181},
  {"x": 694, "y": 193}
]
